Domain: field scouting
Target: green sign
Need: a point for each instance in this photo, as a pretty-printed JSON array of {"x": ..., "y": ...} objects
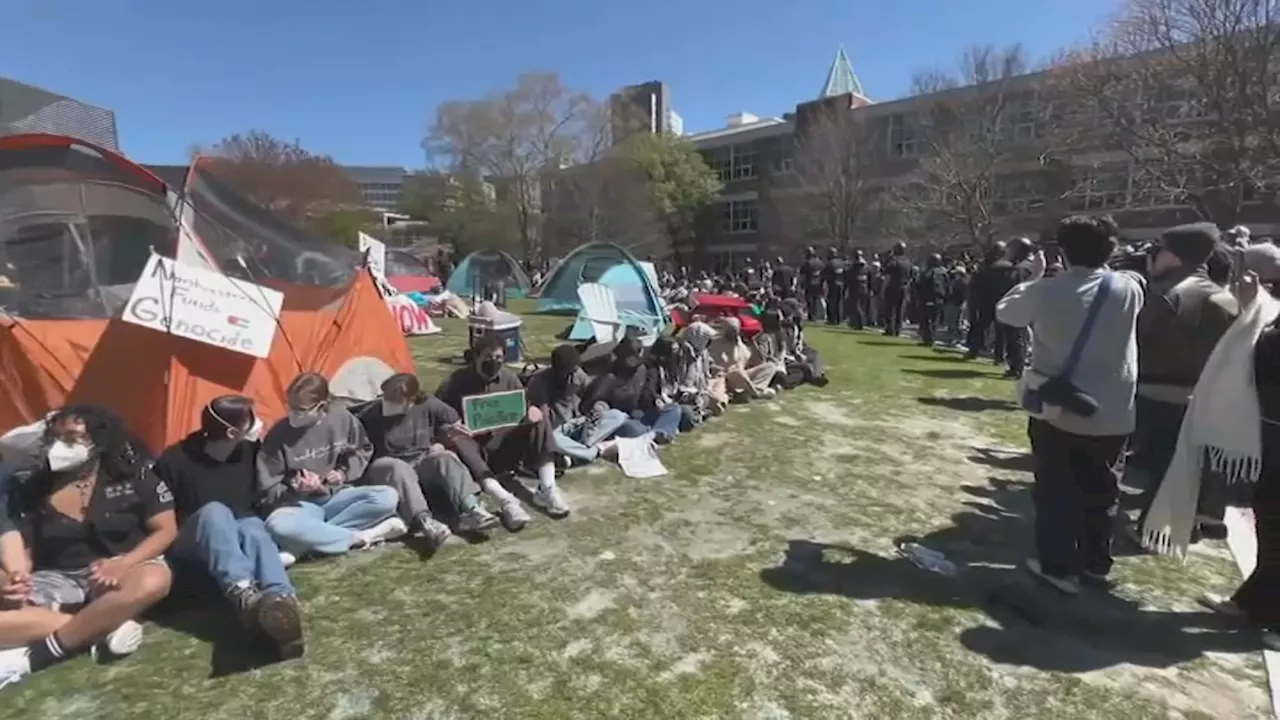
[{"x": 493, "y": 410}]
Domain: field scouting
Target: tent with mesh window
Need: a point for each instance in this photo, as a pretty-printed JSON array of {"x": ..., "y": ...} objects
[
  {"x": 77, "y": 225},
  {"x": 634, "y": 285},
  {"x": 488, "y": 272}
]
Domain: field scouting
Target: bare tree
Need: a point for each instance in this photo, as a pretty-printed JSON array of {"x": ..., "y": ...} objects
[
  {"x": 835, "y": 162},
  {"x": 595, "y": 195},
  {"x": 980, "y": 129},
  {"x": 281, "y": 176},
  {"x": 1185, "y": 91},
  {"x": 511, "y": 137}
]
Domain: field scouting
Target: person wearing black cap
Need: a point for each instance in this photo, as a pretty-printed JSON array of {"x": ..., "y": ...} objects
[
  {"x": 811, "y": 282},
  {"x": 1185, "y": 315},
  {"x": 897, "y": 277}
]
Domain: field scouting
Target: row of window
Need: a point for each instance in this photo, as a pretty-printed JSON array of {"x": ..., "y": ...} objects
[{"x": 738, "y": 216}]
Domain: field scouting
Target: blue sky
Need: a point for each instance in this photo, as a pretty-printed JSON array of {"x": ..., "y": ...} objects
[{"x": 360, "y": 79}]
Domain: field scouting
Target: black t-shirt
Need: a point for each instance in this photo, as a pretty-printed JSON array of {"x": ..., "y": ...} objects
[
  {"x": 114, "y": 524},
  {"x": 197, "y": 479},
  {"x": 409, "y": 435}
]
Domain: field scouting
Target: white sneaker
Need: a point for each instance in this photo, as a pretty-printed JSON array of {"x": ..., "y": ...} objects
[
  {"x": 1065, "y": 585},
  {"x": 124, "y": 640},
  {"x": 514, "y": 516},
  {"x": 552, "y": 501},
  {"x": 288, "y": 559},
  {"x": 15, "y": 664},
  {"x": 1220, "y": 604},
  {"x": 389, "y": 529}
]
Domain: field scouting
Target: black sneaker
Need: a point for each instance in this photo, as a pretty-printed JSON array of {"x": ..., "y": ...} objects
[
  {"x": 280, "y": 618},
  {"x": 245, "y": 598}
]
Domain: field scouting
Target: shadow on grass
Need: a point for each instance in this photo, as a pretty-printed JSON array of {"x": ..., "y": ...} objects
[
  {"x": 208, "y": 618},
  {"x": 887, "y": 341},
  {"x": 1037, "y": 626},
  {"x": 939, "y": 357},
  {"x": 950, "y": 373},
  {"x": 969, "y": 403},
  {"x": 1003, "y": 459}
]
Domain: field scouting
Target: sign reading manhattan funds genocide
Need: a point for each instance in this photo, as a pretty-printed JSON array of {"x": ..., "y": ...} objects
[
  {"x": 205, "y": 306},
  {"x": 494, "y": 410}
]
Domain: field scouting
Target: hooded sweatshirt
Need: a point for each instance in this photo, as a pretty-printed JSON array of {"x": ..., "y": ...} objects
[{"x": 337, "y": 442}]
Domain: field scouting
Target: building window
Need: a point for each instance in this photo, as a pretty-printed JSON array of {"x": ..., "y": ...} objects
[
  {"x": 742, "y": 162},
  {"x": 1107, "y": 190},
  {"x": 904, "y": 138},
  {"x": 786, "y": 161},
  {"x": 738, "y": 216},
  {"x": 718, "y": 161}
]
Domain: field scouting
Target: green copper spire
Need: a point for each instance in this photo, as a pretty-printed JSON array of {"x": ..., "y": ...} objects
[{"x": 841, "y": 79}]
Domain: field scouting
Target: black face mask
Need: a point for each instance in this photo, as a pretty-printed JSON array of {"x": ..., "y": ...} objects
[{"x": 490, "y": 366}]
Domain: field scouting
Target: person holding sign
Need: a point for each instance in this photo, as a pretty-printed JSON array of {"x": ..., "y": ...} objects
[
  {"x": 526, "y": 445},
  {"x": 307, "y": 469},
  {"x": 406, "y": 427}
]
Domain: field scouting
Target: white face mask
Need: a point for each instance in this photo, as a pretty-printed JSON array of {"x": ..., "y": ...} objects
[
  {"x": 254, "y": 434},
  {"x": 303, "y": 418},
  {"x": 390, "y": 409},
  {"x": 65, "y": 455}
]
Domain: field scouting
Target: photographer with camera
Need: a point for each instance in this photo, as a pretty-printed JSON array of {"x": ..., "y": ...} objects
[{"x": 1079, "y": 393}]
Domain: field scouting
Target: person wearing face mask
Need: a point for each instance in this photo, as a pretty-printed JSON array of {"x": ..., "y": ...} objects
[
  {"x": 94, "y": 522},
  {"x": 406, "y": 427},
  {"x": 631, "y": 386},
  {"x": 1185, "y": 315},
  {"x": 732, "y": 359},
  {"x": 581, "y": 430},
  {"x": 528, "y": 446},
  {"x": 307, "y": 469},
  {"x": 212, "y": 474}
]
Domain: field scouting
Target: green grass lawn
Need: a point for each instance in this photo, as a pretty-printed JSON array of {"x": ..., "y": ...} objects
[{"x": 757, "y": 580}]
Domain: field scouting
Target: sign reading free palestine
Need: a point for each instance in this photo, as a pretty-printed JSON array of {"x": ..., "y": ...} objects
[{"x": 205, "y": 306}]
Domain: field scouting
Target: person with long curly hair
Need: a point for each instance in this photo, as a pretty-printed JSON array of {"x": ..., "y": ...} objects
[{"x": 93, "y": 523}]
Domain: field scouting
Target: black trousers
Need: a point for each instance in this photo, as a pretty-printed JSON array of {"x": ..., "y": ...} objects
[
  {"x": 1075, "y": 495},
  {"x": 928, "y": 321},
  {"x": 980, "y": 320},
  {"x": 523, "y": 447},
  {"x": 857, "y": 310},
  {"x": 894, "y": 306},
  {"x": 1011, "y": 346},
  {"x": 811, "y": 303},
  {"x": 835, "y": 307}
]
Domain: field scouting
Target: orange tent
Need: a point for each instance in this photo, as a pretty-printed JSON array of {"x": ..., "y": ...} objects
[{"x": 62, "y": 341}]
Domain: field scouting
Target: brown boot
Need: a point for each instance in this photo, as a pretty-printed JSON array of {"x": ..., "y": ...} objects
[{"x": 280, "y": 618}]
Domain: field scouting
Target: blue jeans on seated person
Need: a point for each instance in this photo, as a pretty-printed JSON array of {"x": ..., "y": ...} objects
[
  {"x": 329, "y": 526},
  {"x": 580, "y": 438},
  {"x": 231, "y": 550},
  {"x": 663, "y": 422}
]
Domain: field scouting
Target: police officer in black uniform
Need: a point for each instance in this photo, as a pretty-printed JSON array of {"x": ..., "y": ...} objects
[
  {"x": 835, "y": 281},
  {"x": 784, "y": 279},
  {"x": 1018, "y": 256},
  {"x": 811, "y": 282},
  {"x": 897, "y": 272},
  {"x": 984, "y": 293},
  {"x": 857, "y": 290},
  {"x": 931, "y": 293}
]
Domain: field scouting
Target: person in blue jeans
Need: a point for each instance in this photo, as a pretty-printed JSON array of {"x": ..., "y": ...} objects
[
  {"x": 307, "y": 470},
  {"x": 580, "y": 433},
  {"x": 212, "y": 475},
  {"x": 632, "y": 387}
]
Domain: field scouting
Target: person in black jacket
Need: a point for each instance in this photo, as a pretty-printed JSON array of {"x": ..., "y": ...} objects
[
  {"x": 634, "y": 387},
  {"x": 1011, "y": 342},
  {"x": 811, "y": 282},
  {"x": 835, "y": 281},
  {"x": 97, "y": 522},
  {"x": 984, "y": 292},
  {"x": 931, "y": 292},
  {"x": 897, "y": 273},
  {"x": 783, "y": 277},
  {"x": 857, "y": 291}
]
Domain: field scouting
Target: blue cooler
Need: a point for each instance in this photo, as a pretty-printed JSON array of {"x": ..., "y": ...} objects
[{"x": 506, "y": 326}]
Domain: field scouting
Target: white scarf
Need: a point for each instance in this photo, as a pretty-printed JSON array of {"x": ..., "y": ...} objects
[{"x": 1222, "y": 424}]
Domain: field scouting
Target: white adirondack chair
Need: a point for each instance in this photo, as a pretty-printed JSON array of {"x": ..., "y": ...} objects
[{"x": 600, "y": 308}]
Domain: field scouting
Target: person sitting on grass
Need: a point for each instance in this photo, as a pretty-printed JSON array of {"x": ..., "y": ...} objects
[
  {"x": 307, "y": 469},
  {"x": 697, "y": 379},
  {"x": 663, "y": 362},
  {"x": 581, "y": 433},
  {"x": 212, "y": 475},
  {"x": 800, "y": 352},
  {"x": 732, "y": 360},
  {"x": 628, "y": 388},
  {"x": 772, "y": 345},
  {"x": 406, "y": 428},
  {"x": 81, "y": 552},
  {"x": 528, "y": 446}
]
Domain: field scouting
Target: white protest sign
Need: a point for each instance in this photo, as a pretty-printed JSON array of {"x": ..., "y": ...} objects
[
  {"x": 376, "y": 252},
  {"x": 205, "y": 306},
  {"x": 413, "y": 318}
]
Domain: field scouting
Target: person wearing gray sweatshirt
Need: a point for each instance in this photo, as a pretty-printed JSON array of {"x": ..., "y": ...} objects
[{"x": 307, "y": 470}]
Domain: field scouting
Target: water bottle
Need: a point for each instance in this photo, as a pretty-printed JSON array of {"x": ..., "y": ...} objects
[{"x": 928, "y": 559}]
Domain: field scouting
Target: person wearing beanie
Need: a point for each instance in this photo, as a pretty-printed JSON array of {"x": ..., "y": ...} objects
[{"x": 1185, "y": 314}]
